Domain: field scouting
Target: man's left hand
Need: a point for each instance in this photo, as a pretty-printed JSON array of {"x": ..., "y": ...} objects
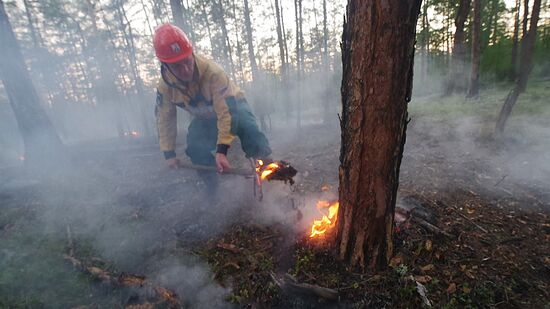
[{"x": 221, "y": 162}]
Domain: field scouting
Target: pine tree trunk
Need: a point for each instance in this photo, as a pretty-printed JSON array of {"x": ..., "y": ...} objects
[
  {"x": 299, "y": 57},
  {"x": 280, "y": 39},
  {"x": 526, "y": 65},
  {"x": 226, "y": 43},
  {"x": 284, "y": 35},
  {"x": 215, "y": 52},
  {"x": 39, "y": 136},
  {"x": 377, "y": 56},
  {"x": 130, "y": 48},
  {"x": 177, "y": 14},
  {"x": 36, "y": 40},
  {"x": 525, "y": 19},
  {"x": 457, "y": 76},
  {"x": 515, "y": 39},
  {"x": 147, "y": 19},
  {"x": 494, "y": 15},
  {"x": 238, "y": 40},
  {"x": 249, "y": 41},
  {"x": 425, "y": 42},
  {"x": 325, "y": 36},
  {"x": 473, "y": 91}
]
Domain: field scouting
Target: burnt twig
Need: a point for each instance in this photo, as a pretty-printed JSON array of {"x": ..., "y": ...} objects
[{"x": 287, "y": 282}]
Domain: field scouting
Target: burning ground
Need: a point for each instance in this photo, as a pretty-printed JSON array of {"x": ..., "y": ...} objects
[{"x": 119, "y": 230}]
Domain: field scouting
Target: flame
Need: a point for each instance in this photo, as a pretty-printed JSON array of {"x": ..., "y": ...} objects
[
  {"x": 264, "y": 172},
  {"x": 319, "y": 227}
]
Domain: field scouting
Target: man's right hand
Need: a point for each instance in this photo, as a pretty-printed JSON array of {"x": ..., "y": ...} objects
[{"x": 173, "y": 163}]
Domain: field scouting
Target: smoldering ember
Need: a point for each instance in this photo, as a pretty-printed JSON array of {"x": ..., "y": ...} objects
[{"x": 279, "y": 154}]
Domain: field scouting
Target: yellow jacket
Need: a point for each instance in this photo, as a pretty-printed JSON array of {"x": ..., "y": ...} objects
[{"x": 205, "y": 96}]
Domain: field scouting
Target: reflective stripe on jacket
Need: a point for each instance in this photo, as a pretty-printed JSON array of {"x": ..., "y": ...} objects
[{"x": 206, "y": 96}]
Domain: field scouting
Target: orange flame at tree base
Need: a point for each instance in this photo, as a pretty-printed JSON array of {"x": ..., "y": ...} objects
[{"x": 328, "y": 221}]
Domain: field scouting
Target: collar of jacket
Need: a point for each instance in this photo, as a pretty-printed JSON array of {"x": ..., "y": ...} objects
[{"x": 201, "y": 66}]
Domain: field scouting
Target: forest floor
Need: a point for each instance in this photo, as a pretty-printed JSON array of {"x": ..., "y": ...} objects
[{"x": 120, "y": 230}]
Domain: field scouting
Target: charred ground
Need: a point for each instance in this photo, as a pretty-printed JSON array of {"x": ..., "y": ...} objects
[{"x": 128, "y": 215}]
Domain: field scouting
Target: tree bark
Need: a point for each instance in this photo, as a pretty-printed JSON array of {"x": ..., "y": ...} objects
[
  {"x": 526, "y": 65},
  {"x": 473, "y": 91},
  {"x": 457, "y": 77},
  {"x": 377, "y": 55},
  {"x": 42, "y": 144}
]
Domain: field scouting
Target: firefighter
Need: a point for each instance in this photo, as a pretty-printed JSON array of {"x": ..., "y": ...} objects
[{"x": 219, "y": 108}]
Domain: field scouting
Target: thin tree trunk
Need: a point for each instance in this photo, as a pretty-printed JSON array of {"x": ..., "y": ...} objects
[
  {"x": 239, "y": 46},
  {"x": 473, "y": 92},
  {"x": 215, "y": 53},
  {"x": 189, "y": 15},
  {"x": 515, "y": 39},
  {"x": 226, "y": 42},
  {"x": 147, "y": 19},
  {"x": 284, "y": 35},
  {"x": 426, "y": 42},
  {"x": 39, "y": 135},
  {"x": 177, "y": 15},
  {"x": 494, "y": 20},
  {"x": 457, "y": 77},
  {"x": 299, "y": 45},
  {"x": 35, "y": 36},
  {"x": 249, "y": 41},
  {"x": 526, "y": 65},
  {"x": 285, "y": 78},
  {"x": 129, "y": 39},
  {"x": 525, "y": 19},
  {"x": 373, "y": 126},
  {"x": 280, "y": 40},
  {"x": 325, "y": 36}
]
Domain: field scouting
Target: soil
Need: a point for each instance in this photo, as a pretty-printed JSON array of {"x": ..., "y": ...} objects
[{"x": 494, "y": 250}]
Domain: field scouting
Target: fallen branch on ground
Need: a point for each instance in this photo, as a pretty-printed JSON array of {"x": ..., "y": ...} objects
[
  {"x": 289, "y": 283},
  {"x": 162, "y": 296}
]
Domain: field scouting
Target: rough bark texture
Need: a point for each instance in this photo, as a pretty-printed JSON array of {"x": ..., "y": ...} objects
[
  {"x": 526, "y": 65},
  {"x": 377, "y": 56},
  {"x": 39, "y": 136},
  {"x": 457, "y": 78},
  {"x": 476, "y": 50}
]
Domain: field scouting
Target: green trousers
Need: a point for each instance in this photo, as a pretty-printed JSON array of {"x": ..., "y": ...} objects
[{"x": 202, "y": 135}]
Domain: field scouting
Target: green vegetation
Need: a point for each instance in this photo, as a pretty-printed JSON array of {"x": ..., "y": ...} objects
[{"x": 532, "y": 103}]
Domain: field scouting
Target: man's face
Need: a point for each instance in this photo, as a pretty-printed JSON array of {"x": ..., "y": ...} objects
[{"x": 183, "y": 69}]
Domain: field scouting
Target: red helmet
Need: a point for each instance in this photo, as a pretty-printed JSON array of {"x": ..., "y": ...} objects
[{"x": 171, "y": 44}]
